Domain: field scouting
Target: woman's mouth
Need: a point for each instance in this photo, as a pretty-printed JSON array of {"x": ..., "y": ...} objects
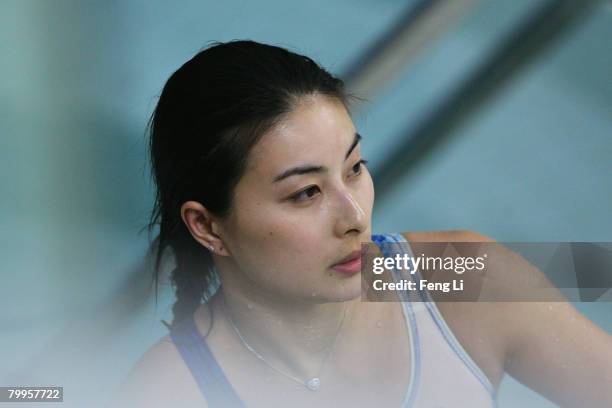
[{"x": 350, "y": 265}]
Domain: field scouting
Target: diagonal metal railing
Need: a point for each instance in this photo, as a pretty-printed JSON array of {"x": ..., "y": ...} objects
[{"x": 540, "y": 30}]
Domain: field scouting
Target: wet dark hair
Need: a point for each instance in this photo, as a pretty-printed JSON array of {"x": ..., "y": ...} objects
[{"x": 210, "y": 114}]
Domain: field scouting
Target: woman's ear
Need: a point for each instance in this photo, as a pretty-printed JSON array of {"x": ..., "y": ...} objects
[{"x": 203, "y": 227}]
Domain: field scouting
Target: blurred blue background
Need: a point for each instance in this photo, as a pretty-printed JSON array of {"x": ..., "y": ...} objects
[{"x": 494, "y": 116}]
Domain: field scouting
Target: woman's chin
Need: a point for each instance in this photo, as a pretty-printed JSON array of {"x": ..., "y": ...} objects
[{"x": 345, "y": 291}]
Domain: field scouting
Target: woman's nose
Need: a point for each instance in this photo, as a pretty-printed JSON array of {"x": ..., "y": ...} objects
[{"x": 351, "y": 216}]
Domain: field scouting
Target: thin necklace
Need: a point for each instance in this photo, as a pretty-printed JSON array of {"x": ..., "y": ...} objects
[{"x": 313, "y": 383}]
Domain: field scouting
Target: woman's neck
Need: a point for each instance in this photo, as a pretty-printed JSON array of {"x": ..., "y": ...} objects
[{"x": 293, "y": 336}]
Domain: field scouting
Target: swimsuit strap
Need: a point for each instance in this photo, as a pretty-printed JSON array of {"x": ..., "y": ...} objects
[{"x": 209, "y": 376}]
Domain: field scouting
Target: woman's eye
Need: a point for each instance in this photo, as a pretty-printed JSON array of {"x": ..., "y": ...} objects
[
  {"x": 356, "y": 169},
  {"x": 305, "y": 194}
]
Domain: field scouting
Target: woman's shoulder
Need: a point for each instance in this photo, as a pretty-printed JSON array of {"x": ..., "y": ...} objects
[
  {"x": 159, "y": 378},
  {"x": 446, "y": 236}
]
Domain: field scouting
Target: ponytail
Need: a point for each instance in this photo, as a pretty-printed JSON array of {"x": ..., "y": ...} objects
[{"x": 194, "y": 277}]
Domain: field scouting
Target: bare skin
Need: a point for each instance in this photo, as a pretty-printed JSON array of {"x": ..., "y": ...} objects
[{"x": 275, "y": 254}]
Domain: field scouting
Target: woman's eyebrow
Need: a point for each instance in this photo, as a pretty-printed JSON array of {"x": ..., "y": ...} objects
[
  {"x": 313, "y": 169},
  {"x": 355, "y": 141}
]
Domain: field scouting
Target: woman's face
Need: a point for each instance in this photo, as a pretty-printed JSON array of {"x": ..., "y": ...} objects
[{"x": 303, "y": 204}]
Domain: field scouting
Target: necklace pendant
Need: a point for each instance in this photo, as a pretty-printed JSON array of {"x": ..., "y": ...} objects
[{"x": 313, "y": 384}]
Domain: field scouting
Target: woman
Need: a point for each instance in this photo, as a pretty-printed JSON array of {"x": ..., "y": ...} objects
[{"x": 261, "y": 185}]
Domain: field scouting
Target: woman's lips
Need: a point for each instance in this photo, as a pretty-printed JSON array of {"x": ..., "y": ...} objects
[{"x": 350, "y": 267}]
